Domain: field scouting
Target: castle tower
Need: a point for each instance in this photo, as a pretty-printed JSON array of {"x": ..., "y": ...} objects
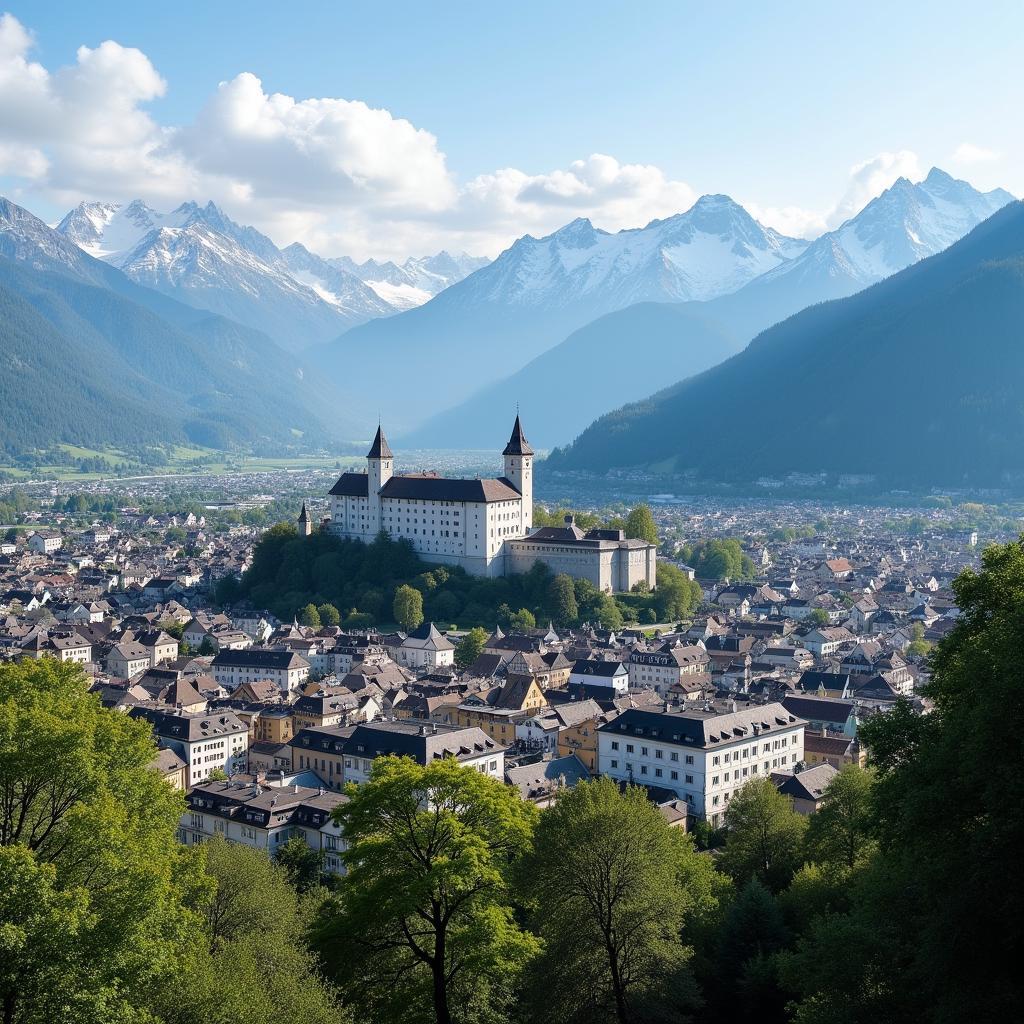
[
  {"x": 305, "y": 522},
  {"x": 379, "y": 470},
  {"x": 519, "y": 470}
]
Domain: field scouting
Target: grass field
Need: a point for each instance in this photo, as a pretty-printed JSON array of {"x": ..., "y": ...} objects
[{"x": 181, "y": 459}]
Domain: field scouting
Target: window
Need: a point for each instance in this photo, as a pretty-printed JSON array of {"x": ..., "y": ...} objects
[
  {"x": 629, "y": 748},
  {"x": 615, "y": 744},
  {"x": 675, "y": 776},
  {"x": 657, "y": 773},
  {"x": 658, "y": 752},
  {"x": 689, "y": 758},
  {"x": 614, "y": 763}
]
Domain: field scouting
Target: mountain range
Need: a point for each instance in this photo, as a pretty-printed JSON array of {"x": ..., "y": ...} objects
[
  {"x": 626, "y": 356},
  {"x": 537, "y": 292},
  {"x": 912, "y": 382},
  {"x": 200, "y": 256},
  {"x": 89, "y": 354}
]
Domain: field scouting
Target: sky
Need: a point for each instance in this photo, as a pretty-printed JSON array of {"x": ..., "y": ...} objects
[{"x": 395, "y": 129}]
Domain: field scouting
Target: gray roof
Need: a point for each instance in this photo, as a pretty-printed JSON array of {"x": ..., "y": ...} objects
[
  {"x": 703, "y": 728},
  {"x": 429, "y": 488},
  {"x": 380, "y": 449}
]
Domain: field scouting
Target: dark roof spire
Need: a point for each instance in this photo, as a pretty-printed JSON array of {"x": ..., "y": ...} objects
[
  {"x": 304, "y": 514},
  {"x": 380, "y": 448},
  {"x": 517, "y": 443}
]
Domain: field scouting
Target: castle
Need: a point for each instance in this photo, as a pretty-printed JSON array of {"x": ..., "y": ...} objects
[{"x": 485, "y": 526}]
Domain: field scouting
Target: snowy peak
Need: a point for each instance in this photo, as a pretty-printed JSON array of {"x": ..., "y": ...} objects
[{"x": 712, "y": 249}]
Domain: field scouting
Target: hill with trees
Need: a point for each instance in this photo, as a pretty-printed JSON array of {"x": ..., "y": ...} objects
[
  {"x": 914, "y": 382},
  {"x": 370, "y": 584}
]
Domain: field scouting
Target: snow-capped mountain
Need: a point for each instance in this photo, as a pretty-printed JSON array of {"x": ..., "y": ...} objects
[
  {"x": 712, "y": 249},
  {"x": 200, "y": 256},
  {"x": 539, "y": 290},
  {"x": 415, "y": 281},
  {"x": 906, "y": 223}
]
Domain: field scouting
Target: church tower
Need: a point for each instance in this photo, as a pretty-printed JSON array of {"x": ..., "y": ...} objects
[
  {"x": 305, "y": 522},
  {"x": 519, "y": 470},
  {"x": 379, "y": 463}
]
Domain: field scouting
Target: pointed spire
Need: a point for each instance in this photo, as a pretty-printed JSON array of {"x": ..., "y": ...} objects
[
  {"x": 304, "y": 514},
  {"x": 517, "y": 443},
  {"x": 380, "y": 448}
]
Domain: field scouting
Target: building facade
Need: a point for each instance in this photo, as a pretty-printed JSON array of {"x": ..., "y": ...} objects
[
  {"x": 703, "y": 755},
  {"x": 484, "y": 526}
]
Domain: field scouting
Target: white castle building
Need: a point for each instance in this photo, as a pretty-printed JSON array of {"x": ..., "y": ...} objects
[{"x": 485, "y": 526}]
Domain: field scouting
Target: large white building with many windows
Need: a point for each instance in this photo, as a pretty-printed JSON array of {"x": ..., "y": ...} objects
[
  {"x": 703, "y": 754},
  {"x": 483, "y": 525}
]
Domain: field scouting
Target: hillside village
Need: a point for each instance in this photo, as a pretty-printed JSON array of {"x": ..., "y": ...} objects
[{"x": 772, "y": 677}]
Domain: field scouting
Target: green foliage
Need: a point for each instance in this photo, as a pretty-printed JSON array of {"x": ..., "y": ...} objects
[
  {"x": 606, "y": 887},
  {"x": 562, "y": 601},
  {"x": 640, "y": 525},
  {"x": 470, "y": 647},
  {"x": 310, "y": 616},
  {"x": 522, "y": 621},
  {"x": 80, "y": 798},
  {"x": 764, "y": 835},
  {"x": 408, "y": 607},
  {"x": 718, "y": 559},
  {"x": 819, "y": 617},
  {"x": 302, "y": 864},
  {"x": 841, "y": 831},
  {"x": 329, "y": 615},
  {"x": 421, "y": 927}
]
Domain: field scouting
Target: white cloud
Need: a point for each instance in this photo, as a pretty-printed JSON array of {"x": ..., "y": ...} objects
[
  {"x": 870, "y": 179},
  {"x": 794, "y": 221},
  {"x": 969, "y": 153}
]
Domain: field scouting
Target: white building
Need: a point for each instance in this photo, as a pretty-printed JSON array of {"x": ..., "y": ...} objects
[
  {"x": 485, "y": 526},
  {"x": 45, "y": 543},
  {"x": 425, "y": 648},
  {"x": 287, "y": 670},
  {"x": 265, "y": 817},
  {"x": 705, "y": 754},
  {"x": 666, "y": 666},
  {"x": 205, "y": 741},
  {"x": 593, "y": 672}
]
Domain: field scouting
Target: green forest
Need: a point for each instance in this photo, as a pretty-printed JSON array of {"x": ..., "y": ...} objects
[
  {"x": 360, "y": 581},
  {"x": 899, "y": 901}
]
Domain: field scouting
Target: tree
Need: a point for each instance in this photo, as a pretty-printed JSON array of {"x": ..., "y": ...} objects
[
  {"x": 819, "y": 617},
  {"x": 640, "y": 525},
  {"x": 303, "y": 865},
  {"x": 605, "y": 884},
  {"x": 408, "y": 607},
  {"x": 422, "y": 927},
  {"x": 470, "y": 647},
  {"x": 310, "y": 616},
  {"x": 764, "y": 835},
  {"x": 561, "y": 600},
  {"x": 609, "y": 614},
  {"x": 841, "y": 831},
  {"x": 207, "y": 647},
  {"x": 522, "y": 621},
  {"x": 77, "y": 793},
  {"x": 257, "y": 967},
  {"x": 329, "y": 615}
]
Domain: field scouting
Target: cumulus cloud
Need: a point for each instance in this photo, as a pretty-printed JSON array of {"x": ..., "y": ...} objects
[
  {"x": 969, "y": 153},
  {"x": 870, "y": 179}
]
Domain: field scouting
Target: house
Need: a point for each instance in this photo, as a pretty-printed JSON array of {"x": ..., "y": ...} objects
[
  {"x": 704, "y": 754},
  {"x": 825, "y": 641},
  {"x": 171, "y": 768},
  {"x": 127, "y": 658},
  {"x": 833, "y": 749},
  {"x": 542, "y": 781},
  {"x": 265, "y": 817},
  {"x": 824, "y": 713},
  {"x": 665, "y": 667},
  {"x": 45, "y": 543},
  {"x": 162, "y": 647},
  {"x": 610, "y": 674},
  {"x": 805, "y": 787},
  {"x": 206, "y": 742},
  {"x": 425, "y": 648},
  {"x": 342, "y": 754},
  {"x": 577, "y": 734},
  {"x": 835, "y": 569},
  {"x": 287, "y": 670}
]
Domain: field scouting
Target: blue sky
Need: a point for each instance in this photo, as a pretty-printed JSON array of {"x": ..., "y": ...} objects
[{"x": 480, "y": 122}]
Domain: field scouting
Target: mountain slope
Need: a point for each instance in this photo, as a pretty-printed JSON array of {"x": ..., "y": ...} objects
[
  {"x": 617, "y": 358},
  {"x": 917, "y": 380},
  {"x": 904, "y": 224},
  {"x": 218, "y": 382},
  {"x": 199, "y": 255},
  {"x": 537, "y": 292}
]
